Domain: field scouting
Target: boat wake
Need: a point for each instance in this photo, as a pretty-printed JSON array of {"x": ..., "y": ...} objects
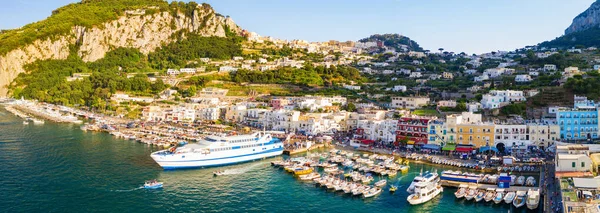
[
  {"x": 242, "y": 170},
  {"x": 127, "y": 190}
]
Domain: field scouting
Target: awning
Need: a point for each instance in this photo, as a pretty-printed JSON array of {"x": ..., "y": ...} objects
[
  {"x": 431, "y": 146},
  {"x": 464, "y": 149},
  {"x": 449, "y": 147},
  {"x": 367, "y": 141},
  {"x": 487, "y": 148},
  {"x": 411, "y": 142}
]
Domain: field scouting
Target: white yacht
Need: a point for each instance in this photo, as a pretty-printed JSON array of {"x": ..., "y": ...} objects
[
  {"x": 533, "y": 199},
  {"x": 417, "y": 179},
  {"x": 218, "y": 151},
  {"x": 426, "y": 189}
]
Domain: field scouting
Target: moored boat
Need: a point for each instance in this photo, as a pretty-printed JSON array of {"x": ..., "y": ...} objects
[
  {"x": 489, "y": 194},
  {"x": 499, "y": 196},
  {"x": 530, "y": 181},
  {"x": 479, "y": 196},
  {"x": 462, "y": 190},
  {"x": 533, "y": 199},
  {"x": 510, "y": 196},
  {"x": 380, "y": 183},
  {"x": 471, "y": 192},
  {"x": 426, "y": 189},
  {"x": 520, "y": 199},
  {"x": 372, "y": 192},
  {"x": 310, "y": 176},
  {"x": 520, "y": 181}
]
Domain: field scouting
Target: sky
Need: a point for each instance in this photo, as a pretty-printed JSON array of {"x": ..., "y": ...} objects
[{"x": 471, "y": 26}]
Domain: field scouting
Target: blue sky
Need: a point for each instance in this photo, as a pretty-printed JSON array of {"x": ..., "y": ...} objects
[{"x": 472, "y": 26}]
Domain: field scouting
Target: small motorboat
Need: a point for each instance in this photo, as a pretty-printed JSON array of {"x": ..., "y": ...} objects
[
  {"x": 462, "y": 190},
  {"x": 380, "y": 183},
  {"x": 393, "y": 188},
  {"x": 520, "y": 181},
  {"x": 218, "y": 173},
  {"x": 520, "y": 199},
  {"x": 367, "y": 179},
  {"x": 153, "y": 184},
  {"x": 310, "y": 176},
  {"x": 479, "y": 196},
  {"x": 510, "y": 196},
  {"x": 489, "y": 194},
  {"x": 530, "y": 181},
  {"x": 513, "y": 180},
  {"x": 533, "y": 199},
  {"x": 499, "y": 196},
  {"x": 372, "y": 192},
  {"x": 471, "y": 192}
]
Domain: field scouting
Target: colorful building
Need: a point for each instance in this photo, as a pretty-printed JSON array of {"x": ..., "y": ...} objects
[
  {"x": 476, "y": 134},
  {"x": 413, "y": 129},
  {"x": 580, "y": 122}
]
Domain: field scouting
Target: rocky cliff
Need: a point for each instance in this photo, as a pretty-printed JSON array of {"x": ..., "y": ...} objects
[
  {"x": 135, "y": 29},
  {"x": 590, "y": 18}
]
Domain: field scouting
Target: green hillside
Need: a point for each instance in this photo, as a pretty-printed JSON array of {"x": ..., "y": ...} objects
[{"x": 585, "y": 38}]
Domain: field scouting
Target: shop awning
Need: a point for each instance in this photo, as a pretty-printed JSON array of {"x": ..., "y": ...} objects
[
  {"x": 431, "y": 146},
  {"x": 449, "y": 147},
  {"x": 464, "y": 149},
  {"x": 411, "y": 142},
  {"x": 367, "y": 141},
  {"x": 487, "y": 148}
]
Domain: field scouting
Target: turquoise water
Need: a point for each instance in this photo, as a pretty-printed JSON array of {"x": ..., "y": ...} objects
[{"x": 59, "y": 168}]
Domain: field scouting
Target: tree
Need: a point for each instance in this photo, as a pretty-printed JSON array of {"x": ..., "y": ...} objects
[{"x": 350, "y": 107}]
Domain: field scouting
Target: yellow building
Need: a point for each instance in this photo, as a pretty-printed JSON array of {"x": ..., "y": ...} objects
[{"x": 476, "y": 134}]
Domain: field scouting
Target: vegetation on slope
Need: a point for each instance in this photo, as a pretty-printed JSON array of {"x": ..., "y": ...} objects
[
  {"x": 88, "y": 13},
  {"x": 307, "y": 76},
  {"x": 394, "y": 40},
  {"x": 586, "y": 38}
]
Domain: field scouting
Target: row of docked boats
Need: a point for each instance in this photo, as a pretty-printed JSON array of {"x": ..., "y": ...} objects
[
  {"x": 531, "y": 198},
  {"x": 348, "y": 187},
  {"x": 466, "y": 177}
]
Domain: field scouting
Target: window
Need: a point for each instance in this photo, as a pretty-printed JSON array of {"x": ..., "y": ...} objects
[
  {"x": 573, "y": 164},
  {"x": 582, "y": 164}
]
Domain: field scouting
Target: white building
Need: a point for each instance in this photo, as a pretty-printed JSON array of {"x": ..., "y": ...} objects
[
  {"x": 227, "y": 69},
  {"x": 399, "y": 88},
  {"x": 523, "y": 78},
  {"x": 409, "y": 102},
  {"x": 499, "y": 98},
  {"x": 352, "y": 87},
  {"x": 188, "y": 70},
  {"x": 549, "y": 67},
  {"x": 415, "y": 75},
  {"x": 209, "y": 114},
  {"x": 511, "y": 135},
  {"x": 446, "y": 103},
  {"x": 172, "y": 72}
]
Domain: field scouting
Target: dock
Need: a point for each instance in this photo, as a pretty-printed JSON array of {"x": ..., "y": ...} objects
[
  {"x": 302, "y": 150},
  {"x": 483, "y": 186}
]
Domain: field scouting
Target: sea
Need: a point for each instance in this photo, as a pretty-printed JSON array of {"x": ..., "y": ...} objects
[{"x": 59, "y": 168}]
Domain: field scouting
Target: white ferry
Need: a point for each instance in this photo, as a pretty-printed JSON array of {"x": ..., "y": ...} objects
[
  {"x": 218, "y": 151},
  {"x": 426, "y": 189}
]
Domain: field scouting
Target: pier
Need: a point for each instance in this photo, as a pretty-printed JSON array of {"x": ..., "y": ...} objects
[
  {"x": 302, "y": 150},
  {"x": 483, "y": 186}
]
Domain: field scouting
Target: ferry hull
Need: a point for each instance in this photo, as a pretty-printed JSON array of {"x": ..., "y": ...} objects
[{"x": 167, "y": 162}]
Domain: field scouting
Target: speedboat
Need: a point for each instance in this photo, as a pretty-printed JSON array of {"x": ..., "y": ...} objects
[
  {"x": 380, "y": 183},
  {"x": 533, "y": 199},
  {"x": 218, "y": 173},
  {"x": 499, "y": 196},
  {"x": 153, "y": 184},
  {"x": 426, "y": 189},
  {"x": 310, "y": 176},
  {"x": 520, "y": 181},
  {"x": 367, "y": 179},
  {"x": 471, "y": 192},
  {"x": 520, "y": 199},
  {"x": 462, "y": 190},
  {"x": 510, "y": 196},
  {"x": 489, "y": 195},
  {"x": 393, "y": 188},
  {"x": 372, "y": 192},
  {"x": 479, "y": 196},
  {"x": 530, "y": 181}
]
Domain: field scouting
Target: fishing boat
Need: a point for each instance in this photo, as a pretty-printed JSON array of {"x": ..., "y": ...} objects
[
  {"x": 348, "y": 189},
  {"x": 340, "y": 186},
  {"x": 303, "y": 170},
  {"x": 393, "y": 189},
  {"x": 372, "y": 192},
  {"x": 331, "y": 169},
  {"x": 426, "y": 189},
  {"x": 489, "y": 194},
  {"x": 520, "y": 199},
  {"x": 217, "y": 151},
  {"x": 462, "y": 190},
  {"x": 380, "y": 183},
  {"x": 533, "y": 199},
  {"x": 310, "y": 176},
  {"x": 358, "y": 190},
  {"x": 530, "y": 181},
  {"x": 520, "y": 181},
  {"x": 499, "y": 196},
  {"x": 153, "y": 184},
  {"x": 471, "y": 192},
  {"x": 479, "y": 196},
  {"x": 510, "y": 196},
  {"x": 367, "y": 179}
]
